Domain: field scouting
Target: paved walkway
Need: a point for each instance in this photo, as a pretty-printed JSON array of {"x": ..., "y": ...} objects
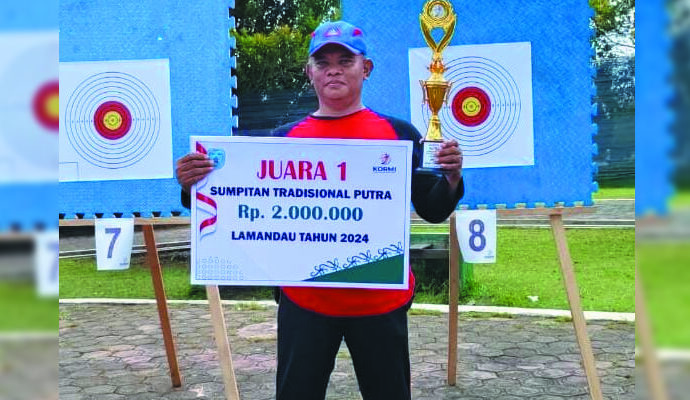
[{"x": 116, "y": 352}]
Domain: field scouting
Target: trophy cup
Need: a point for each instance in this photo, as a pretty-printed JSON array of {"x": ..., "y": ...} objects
[{"x": 436, "y": 14}]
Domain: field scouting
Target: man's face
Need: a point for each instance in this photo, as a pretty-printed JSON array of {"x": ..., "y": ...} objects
[{"x": 337, "y": 74}]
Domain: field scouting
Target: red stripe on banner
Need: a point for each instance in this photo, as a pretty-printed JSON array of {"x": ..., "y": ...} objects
[
  {"x": 206, "y": 200},
  {"x": 210, "y": 221},
  {"x": 207, "y": 223}
]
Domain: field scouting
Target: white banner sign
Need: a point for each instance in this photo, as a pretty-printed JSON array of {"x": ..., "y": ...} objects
[
  {"x": 477, "y": 235},
  {"x": 302, "y": 212},
  {"x": 114, "y": 237},
  {"x": 46, "y": 262}
]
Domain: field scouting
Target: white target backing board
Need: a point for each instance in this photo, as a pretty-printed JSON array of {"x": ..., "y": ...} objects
[
  {"x": 115, "y": 121},
  {"x": 489, "y": 106},
  {"x": 28, "y": 106}
]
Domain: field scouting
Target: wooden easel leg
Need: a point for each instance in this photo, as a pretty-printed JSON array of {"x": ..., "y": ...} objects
[
  {"x": 221, "y": 335},
  {"x": 161, "y": 302},
  {"x": 453, "y": 277},
  {"x": 657, "y": 390},
  {"x": 575, "y": 306}
]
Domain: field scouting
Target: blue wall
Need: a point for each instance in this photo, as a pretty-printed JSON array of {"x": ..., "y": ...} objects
[
  {"x": 653, "y": 137},
  {"x": 562, "y": 87},
  {"x": 194, "y": 36}
]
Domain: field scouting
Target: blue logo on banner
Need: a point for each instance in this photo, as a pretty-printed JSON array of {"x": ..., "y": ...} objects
[{"x": 218, "y": 157}]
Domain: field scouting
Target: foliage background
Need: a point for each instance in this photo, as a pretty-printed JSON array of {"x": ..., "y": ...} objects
[{"x": 272, "y": 42}]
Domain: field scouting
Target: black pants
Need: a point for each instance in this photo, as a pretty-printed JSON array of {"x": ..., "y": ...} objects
[{"x": 308, "y": 343}]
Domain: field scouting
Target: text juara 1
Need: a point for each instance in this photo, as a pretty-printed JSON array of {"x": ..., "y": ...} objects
[{"x": 297, "y": 170}]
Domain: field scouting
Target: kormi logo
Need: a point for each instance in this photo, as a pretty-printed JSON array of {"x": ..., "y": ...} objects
[
  {"x": 384, "y": 169},
  {"x": 384, "y": 164}
]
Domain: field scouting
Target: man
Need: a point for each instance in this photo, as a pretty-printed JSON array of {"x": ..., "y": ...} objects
[{"x": 312, "y": 322}]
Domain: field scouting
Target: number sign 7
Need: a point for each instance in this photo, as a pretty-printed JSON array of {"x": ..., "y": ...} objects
[{"x": 115, "y": 232}]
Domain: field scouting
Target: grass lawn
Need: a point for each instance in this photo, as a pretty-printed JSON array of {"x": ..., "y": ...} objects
[
  {"x": 680, "y": 199},
  {"x": 22, "y": 310},
  {"x": 527, "y": 266},
  {"x": 79, "y": 278},
  {"x": 614, "y": 193},
  {"x": 429, "y": 228},
  {"x": 663, "y": 268}
]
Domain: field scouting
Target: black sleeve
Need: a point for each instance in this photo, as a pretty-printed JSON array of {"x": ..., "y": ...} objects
[
  {"x": 431, "y": 195},
  {"x": 432, "y": 198},
  {"x": 186, "y": 199}
]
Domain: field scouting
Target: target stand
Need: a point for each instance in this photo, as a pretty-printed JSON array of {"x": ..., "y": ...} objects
[
  {"x": 212, "y": 294},
  {"x": 556, "y": 220}
]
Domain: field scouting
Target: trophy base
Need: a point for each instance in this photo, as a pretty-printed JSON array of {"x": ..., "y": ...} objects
[{"x": 429, "y": 164}]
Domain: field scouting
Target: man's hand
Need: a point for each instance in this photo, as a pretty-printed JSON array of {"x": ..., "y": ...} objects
[
  {"x": 191, "y": 169},
  {"x": 449, "y": 157}
]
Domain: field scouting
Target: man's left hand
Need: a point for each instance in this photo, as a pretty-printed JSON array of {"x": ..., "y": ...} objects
[{"x": 449, "y": 158}]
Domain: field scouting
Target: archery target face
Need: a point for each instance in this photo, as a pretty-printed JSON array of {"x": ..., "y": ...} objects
[
  {"x": 112, "y": 120},
  {"x": 115, "y": 120},
  {"x": 488, "y": 108},
  {"x": 29, "y": 107},
  {"x": 46, "y": 106}
]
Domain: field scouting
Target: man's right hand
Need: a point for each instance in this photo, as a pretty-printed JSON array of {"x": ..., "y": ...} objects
[{"x": 191, "y": 169}]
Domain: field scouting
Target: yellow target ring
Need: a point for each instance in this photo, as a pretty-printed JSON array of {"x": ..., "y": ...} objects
[
  {"x": 471, "y": 106},
  {"x": 112, "y": 120},
  {"x": 52, "y": 106}
]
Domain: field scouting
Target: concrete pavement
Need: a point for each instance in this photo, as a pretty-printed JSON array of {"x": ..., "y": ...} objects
[{"x": 116, "y": 352}]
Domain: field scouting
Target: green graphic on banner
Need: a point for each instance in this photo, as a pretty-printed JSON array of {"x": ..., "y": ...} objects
[{"x": 387, "y": 270}]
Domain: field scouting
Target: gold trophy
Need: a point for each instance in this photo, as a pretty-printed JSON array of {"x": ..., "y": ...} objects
[{"x": 436, "y": 14}]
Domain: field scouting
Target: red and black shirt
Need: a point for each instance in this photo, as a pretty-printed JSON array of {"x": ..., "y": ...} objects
[{"x": 431, "y": 198}]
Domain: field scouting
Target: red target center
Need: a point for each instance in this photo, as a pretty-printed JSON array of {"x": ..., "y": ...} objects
[
  {"x": 112, "y": 120},
  {"x": 471, "y": 106},
  {"x": 46, "y": 106}
]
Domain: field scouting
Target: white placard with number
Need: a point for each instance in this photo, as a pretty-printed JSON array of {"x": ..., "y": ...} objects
[
  {"x": 46, "y": 263},
  {"x": 477, "y": 235},
  {"x": 114, "y": 237}
]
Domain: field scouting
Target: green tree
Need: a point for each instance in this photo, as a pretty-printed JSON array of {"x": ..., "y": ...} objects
[
  {"x": 273, "y": 40},
  {"x": 271, "y": 61},
  {"x": 614, "y": 46},
  {"x": 263, "y": 16},
  {"x": 614, "y": 25}
]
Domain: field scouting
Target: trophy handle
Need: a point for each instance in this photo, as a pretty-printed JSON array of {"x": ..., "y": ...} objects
[
  {"x": 429, "y": 22},
  {"x": 445, "y": 99}
]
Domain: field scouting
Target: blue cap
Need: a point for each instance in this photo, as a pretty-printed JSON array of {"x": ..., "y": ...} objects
[{"x": 338, "y": 32}]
